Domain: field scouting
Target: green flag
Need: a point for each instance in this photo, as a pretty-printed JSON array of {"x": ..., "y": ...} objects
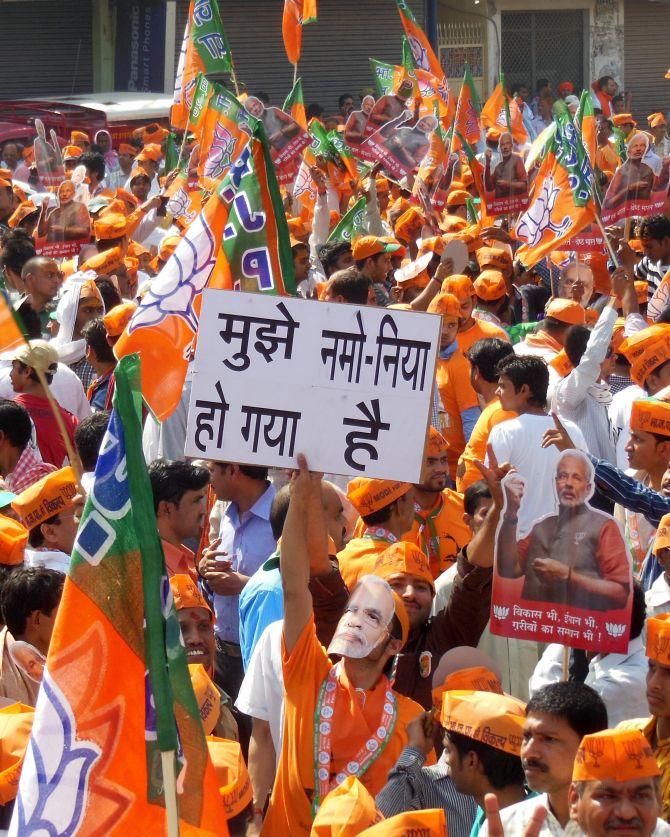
[
  {"x": 383, "y": 76},
  {"x": 171, "y": 153},
  {"x": 407, "y": 58},
  {"x": 351, "y": 224}
]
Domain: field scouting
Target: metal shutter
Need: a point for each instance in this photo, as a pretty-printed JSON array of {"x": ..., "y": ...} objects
[
  {"x": 180, "y": 25},
  {"x": 335, "y": 50},
  {"x": 646, "y": 60},
  {"x": 47, "y": 48}
]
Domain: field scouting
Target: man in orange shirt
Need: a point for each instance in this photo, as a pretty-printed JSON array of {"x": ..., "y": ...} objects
[
  {"x": 386, "y": 508},
  {"x": 470, "y": 329},
  {"x": 179, "y": 490},
  {"x": 439, "y": 529},
  {"x": 459, "y": 400},
  {"x": 484, "y": 357},
  {"x": 361, "y": 723}
]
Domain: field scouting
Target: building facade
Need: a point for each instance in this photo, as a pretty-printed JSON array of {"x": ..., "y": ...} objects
[{"x": 79, "y": 46}]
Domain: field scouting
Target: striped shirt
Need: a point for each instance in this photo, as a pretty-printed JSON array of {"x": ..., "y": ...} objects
[
  {"x": 628, "y": 492},
  {"x": 653, "y": 272},
  {"x": 413, "y": 787}
]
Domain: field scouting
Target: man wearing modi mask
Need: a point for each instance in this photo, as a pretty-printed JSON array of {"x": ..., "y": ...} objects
[
  {"x": 341, "y": 719},
  {"x": 615, "y": 787}
]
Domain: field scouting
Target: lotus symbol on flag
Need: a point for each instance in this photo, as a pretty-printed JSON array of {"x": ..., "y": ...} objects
[
  {"x": 615, "y": 630},
  {"x": 178, "y": 206},
  {"x": 55, "y": 801},
  {"x": 537, "y": 219},
  {"x": 419, "y": 53},
  {"x": 500, "y": 612},
  {"x": 185, "y": 275},
  {"x": 220, "y": 152}
]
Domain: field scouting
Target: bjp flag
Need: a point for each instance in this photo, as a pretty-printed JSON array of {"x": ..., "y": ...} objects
[
  {"x": 116, "y": 704},
  {"x": 294, "y": 105},
  {"x": 585, "y": 121},
  {"x": 502, "y": 112},
  {"x": 466, "y": 119},
  {"x": 561, "y": 204},
  {"x": 422, "y": 51},
  {"x": 297, "y": 13},
  {"x": 204, "y": 49},
  {"x": 435, "y": 96},
  {"x": 238, "y": 241},
  {"x": 11, "y": 335}
]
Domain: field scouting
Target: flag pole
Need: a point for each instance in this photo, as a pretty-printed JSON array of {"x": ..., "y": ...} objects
[
  {"x": 295, "y": 73},
  {"x": 608, "y": 244},
  {"x": 233, "y": 76},
  {"x": 170, "y": 793}
]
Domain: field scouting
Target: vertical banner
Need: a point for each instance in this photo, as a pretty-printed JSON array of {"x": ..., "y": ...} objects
[{"x": 139, "y": 62}]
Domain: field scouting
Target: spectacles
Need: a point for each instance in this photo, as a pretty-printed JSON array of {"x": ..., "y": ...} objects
[{"x": 61, "y": 518}]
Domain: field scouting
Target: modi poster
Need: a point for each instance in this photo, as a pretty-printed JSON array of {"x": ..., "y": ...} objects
[
  {"x": 401, "y": 146},
  {"x": 505, "y": 179},
  {"x": 639, "y": 186},
  {"x": 63, "y": 229},
  {"x": 348, "y": 386},
  {"x": 566, "y": 577}
]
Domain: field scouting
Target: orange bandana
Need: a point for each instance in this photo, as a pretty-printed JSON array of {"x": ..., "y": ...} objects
[
  {"x": 614, "y": 755},
  {"x": 646, "y": 350},
  {"x": 207, "y": 696},
  {"x": 562, "y": 364},
  {"x": 404, "y": 557}
]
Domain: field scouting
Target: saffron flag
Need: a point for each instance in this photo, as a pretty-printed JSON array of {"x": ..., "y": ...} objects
[
  {"x": 466, "y": 118},
  {"x": 297, "y": 13},
  {"x": 502, "y": 112},
  {"x": 222, "y": 127},
  {"x": 585, "y": 120},
  {"x": 204, "y": 49},
  {"x": 294, "y": 105},
  {"x": 184, "y": 198},
  {"x": 422, "y": 52},
  {"x": 116, "y": 690},
  {"x": 561, "y": 204},
  {"x": 11, "y": 334},
  {"x": 242, "y": 223},
  {"x": 351, "y": 224}
]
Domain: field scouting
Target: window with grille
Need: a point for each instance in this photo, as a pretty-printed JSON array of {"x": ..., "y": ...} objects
[{"x": 547, "y": 45}]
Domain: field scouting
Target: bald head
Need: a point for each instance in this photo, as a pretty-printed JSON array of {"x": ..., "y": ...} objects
[
  {"x": 37, "y": 264},
  {"x": 42, "y": 278}
]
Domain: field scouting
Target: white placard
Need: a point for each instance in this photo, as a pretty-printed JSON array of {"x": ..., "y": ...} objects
[{"x": 348, "y": 386}]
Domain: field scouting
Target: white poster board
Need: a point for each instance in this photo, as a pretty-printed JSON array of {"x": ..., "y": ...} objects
[{"x": 348, "y": 386}]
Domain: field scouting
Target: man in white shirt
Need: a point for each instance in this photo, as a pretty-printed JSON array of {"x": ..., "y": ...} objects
[
  {"x": 522, "y": 388},
  {"x": 557, "y": 718}
]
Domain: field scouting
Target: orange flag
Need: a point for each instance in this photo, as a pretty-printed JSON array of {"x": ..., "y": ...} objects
[
  {"x": 502, "y": 112},
  {"x": 422, "y": 51},
  {"x": 296, "y": 14},
  {"x": 11, "y": 335}
]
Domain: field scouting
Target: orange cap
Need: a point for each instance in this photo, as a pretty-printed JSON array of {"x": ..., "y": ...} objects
[
  {"x": 490, "y": 285},
  {"x": 186, "y": 593},
  {"x": 139, "y": 171},
  {"x": 646, "y": 350},
  {"x": 110, "y": 226},
  {"x": 132, "y": 265},
  {"x": 452, "y": 223},
  {"x": 651, "y": 415},
  {"x": 207, "y": 696},
  {"x": 127, "y": 198},
  {"x": 78, "y": 136},
  {"x": 493, "y": 133},
  {"x": 368, "y": 496},
  {"x": 136, "y": 250},
  {"x": 13, "y": 540},
  {"x": 298, "y": 227},
  {"x": 403, "y": 557},
  {"x": 369, "y": 245},
  {"x": 658, "y": 638},
  {"x": 457, "y": 197},
  {"x": 428, "y": 821},
  {"x": 167, "y": 247},
  {"x": 656, "y": 119},
  {"x": 496, "y": 720},
  {"x": 662, "y": 539},
  {"x": 566, "y": 87},
  {"x": 494, "y": 257},
  {"x": 620, "y": 755},
  {"x": 125, "y": 148},
  {"x": 475, "y": 679},
  {"x": 22, "y": 211},
  {"x": 436, "y": 445},
  {"x": 71, "y": 152},
  {"x": 460, "y": 286},
  {"x": 117, "y": 318},
  {"x": 447, "y": 305},
  {"x": 623, "y": 119},
  {"x": 617, "y": 334},
  {"x": 154, "y": 134},
  {"x": 106, "y": 262},
  {"x": 408, "y": 226},
  {"x": 432, "y": 244},
  {"x": 231, "y": 774},
  {"x": 150, "y": 152},
  {"x": 46, "y": 497},
  {"x": 346, "y": 811},
  {"x": 566, "y": 311}
]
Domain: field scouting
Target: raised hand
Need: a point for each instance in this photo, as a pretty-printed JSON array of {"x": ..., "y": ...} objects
[{"x": 557, "y": 435}]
